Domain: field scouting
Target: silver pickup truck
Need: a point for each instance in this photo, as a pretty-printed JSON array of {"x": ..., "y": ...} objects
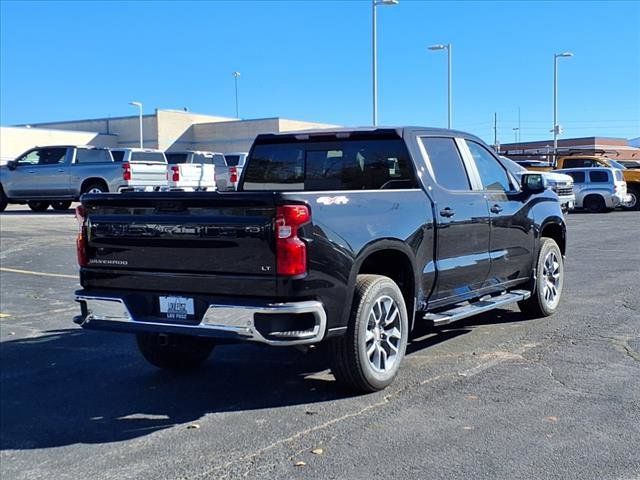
[{"x": 58, "y": 175}]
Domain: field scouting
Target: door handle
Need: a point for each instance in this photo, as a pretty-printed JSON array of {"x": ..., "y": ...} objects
[
  {"x": 31, "y": 171},
  {"x": 496, "y": 209},
  {"x": 447, "y": 212},
  {"x": 61, "y": 170}
]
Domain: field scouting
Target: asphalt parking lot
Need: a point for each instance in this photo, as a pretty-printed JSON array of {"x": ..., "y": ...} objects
[{"x": 493, "y": 397}]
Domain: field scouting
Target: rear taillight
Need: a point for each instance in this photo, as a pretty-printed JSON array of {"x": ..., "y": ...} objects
[
  {"x": 81, "y": 239},
  {"x": 175, "y": 173},
  {"x": 233, "y": 174},
  {"x": 126, "y": 171},
  {"x": 291, "y": 252}
]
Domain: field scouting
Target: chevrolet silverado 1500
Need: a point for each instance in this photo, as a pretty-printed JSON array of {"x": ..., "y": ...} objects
[{"x": 349, "y": 237}]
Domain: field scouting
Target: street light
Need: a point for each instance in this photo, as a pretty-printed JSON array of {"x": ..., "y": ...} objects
[
  {"x": 374, "y": 4},
  {"x": 446, "y": 47},
  {"x": 556, "y": 127},
  {"x": 516, "y": 132},
  {"x": 235, "y": 78},
  {"x": 139, "y": 105}
]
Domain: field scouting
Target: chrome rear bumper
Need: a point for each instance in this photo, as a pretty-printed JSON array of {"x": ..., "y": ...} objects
[{"x": 228, "y": 321}]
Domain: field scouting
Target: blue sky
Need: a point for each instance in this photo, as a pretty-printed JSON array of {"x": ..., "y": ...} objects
[{"x": 311, "y": 60}]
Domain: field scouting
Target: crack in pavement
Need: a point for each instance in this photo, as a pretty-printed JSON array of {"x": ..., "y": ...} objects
[{"x": 494, "y": 358}]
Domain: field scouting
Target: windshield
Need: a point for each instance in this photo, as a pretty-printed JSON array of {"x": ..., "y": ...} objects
[
  {"x": 615, "y": 164},
  {"x": 512, "y": 166}
]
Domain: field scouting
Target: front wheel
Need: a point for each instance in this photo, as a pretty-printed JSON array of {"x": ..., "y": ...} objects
[
  {"x": 545, "y": 298},
  {"x": 61, "y": 206},
  {"x": 174, "y": 352},
  {"x": 38, "y": 206},
  {"x": 368, "y": 356},
  {"x": 595, "y": 204}
]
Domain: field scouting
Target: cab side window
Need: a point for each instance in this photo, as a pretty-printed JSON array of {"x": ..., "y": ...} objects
[
  {"x": 446, "y": 163},
  {"x": 92, "y": 156},
  {"x": 492, "y": 174}
]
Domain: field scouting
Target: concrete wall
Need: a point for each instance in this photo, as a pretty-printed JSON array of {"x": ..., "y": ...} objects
[
  {"x": 237, "y": 136},
  {"x": 16, "y": 140},
  {"x": 174, "y": 128}
]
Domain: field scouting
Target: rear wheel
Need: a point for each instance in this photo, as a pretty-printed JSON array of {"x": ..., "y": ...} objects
[
  {"x": 368, "y": 356},
  {"x": 545, "y": 298},
  {"x": 38, "y": 206},
  {"x": 594, "y": 204},
  {"x": 95, "y": 187},
  {"x": 174, "y": 352},
  {"x": 634, "y": 201},
  {"x": 61, "y": 205}
]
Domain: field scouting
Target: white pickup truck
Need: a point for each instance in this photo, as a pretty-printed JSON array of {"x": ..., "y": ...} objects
[
  {"x": 235, "y": 161},
  {"x": 197, "y": 171}
]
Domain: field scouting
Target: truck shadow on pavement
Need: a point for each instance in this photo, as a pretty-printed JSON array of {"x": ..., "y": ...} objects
[{"x": 72, "y": 386}]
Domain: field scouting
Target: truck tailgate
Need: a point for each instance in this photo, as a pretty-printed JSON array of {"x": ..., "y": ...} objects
[
  {"x": 184, "y": 233},
  {"x": 148, "y": 172}
]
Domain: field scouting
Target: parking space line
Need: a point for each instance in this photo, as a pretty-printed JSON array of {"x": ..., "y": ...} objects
[{"x": 40, "y": 274}]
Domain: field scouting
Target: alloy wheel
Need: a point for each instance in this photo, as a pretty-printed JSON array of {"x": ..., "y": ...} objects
[{"x": 383, "y": 334}]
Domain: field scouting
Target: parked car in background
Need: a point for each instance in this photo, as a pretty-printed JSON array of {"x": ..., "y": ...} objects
[
  {"x": 630, "y": 164},
  {"x": 223, "y": 177},
  {"x": 558, "y": 182},
  {"x": 349, "y": 237},
  {"x": 196, "y": 170},
  {"x": 142, "y": 168},
  {"x": 598, "y": 189},
  {"x": 58, "y": 175},
  {"x": 532, "y": 164},
  {"x": 631, "y": 176},
  {"x": 235, "y": 161}
]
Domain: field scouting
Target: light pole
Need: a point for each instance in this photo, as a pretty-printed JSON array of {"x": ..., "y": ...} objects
[
  {"x": 516, "y": 132},
  {"x": 235, "y": 78},
  {"x": 446, "y": 47},
  {"x": 556, "y": 127},
  {"x": 139, "y": 105},
  {"x": 374, "y": 5}
]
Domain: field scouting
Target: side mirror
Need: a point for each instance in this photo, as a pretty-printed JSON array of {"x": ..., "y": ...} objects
[
  {"x": 12, "y": 164},
  {"x": 533, "y": 183}
]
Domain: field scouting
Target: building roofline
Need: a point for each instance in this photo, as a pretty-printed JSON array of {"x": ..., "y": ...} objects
[{"x": 29, "y": 126}]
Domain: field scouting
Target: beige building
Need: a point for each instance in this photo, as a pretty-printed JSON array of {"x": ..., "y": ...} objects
[{"x": 165, "y": 129}]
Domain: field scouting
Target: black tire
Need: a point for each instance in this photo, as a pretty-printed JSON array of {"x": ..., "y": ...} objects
[
  {"x": 61, "y": 206},
  {"x": 350, "y": 361},
  {"x": 174, "y": 352},
  {"x": 594, "y": 204},
  {"x": 4, "y": 201},
  {"x": 634, "y": 203},
  {"x": 539, "y": 304},
  {"x": 38, "y": 206},
  {"x": 95, "y": 187}
]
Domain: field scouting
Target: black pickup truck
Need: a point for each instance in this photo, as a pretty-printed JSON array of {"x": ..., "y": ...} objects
[{"x": 348, "y": 237}]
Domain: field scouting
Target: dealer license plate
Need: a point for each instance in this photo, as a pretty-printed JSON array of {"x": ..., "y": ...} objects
[{"x": 178, "y": 308}]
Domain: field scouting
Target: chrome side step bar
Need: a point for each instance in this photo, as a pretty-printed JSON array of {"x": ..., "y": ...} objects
[{"x": 483, "y": 305}]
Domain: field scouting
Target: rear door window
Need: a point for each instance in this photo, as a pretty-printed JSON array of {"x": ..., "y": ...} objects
[
  {"x": 598, "y": 176},
  {"x": 175, "y": 158},
  {"x": 342, "y": 165},
  {"x": 92, "y": 156},
  {"x": 232, "y": 160},
  {"x": 446, "y": 163},
  {"x": 117, "y": 155},
  {"x": 151, "y": 157}
]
